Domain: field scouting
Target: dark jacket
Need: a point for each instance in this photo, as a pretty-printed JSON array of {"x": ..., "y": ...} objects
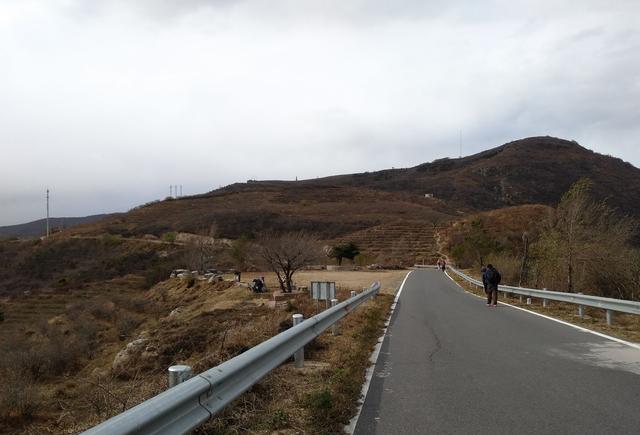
[
  {"x": 484, "y": 278},
  {"x": 492, "y": 278}
]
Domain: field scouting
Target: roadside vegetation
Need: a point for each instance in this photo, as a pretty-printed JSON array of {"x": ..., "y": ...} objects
[
  {"x": 90, "y": 325},
  {"x": 104, "y": 356},
  {"x": 581, "y": 245},
  {"x": 323, "y": 396}
]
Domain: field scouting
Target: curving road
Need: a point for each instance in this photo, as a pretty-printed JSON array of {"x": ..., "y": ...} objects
[{"x": 451, "y": 365}]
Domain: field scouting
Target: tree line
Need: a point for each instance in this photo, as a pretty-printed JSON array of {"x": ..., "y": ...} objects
[
  {"x": 282, "y": 253},
  {"x": 583, "y": 246}
]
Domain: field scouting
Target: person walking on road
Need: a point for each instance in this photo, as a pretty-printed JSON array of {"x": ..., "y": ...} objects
[
  {"x": 492, "y": 278},
  {"x": 442, "y": 264}
]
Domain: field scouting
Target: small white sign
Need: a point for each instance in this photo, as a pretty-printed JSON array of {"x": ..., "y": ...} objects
[{"x": 323, "y": 290}]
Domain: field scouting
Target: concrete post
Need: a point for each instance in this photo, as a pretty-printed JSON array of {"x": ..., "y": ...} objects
[
  {"x": 528, "y": 301},
  {"x": 178, "y": 374},
  {"x": 581, "y": 310},
  {"x": 299, "y": 355},
  {"x": 609, "y": 317},
  {"x": 353, "y": 294},
  {"x": 545, "y": 302},
  {"x": 334, "y": 327},
  {"x": 521, "y": 299}
]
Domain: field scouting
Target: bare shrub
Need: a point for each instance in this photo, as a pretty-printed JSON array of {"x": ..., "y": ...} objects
[
  {"x": 106, "y": 397},
  {"x": 132, "y": 303},
  {"x": 53, "y": 353},
  {"x": 19, "y": 397},
  {"x": 126, "y": 324},
  {"x": 101, "y": 309}
]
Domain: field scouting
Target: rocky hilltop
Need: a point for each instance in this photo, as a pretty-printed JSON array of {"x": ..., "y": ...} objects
[{"x": 535, "y": 170}]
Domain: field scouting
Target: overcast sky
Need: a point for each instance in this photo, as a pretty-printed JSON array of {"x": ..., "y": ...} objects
[{"x": 107, "y": 103}]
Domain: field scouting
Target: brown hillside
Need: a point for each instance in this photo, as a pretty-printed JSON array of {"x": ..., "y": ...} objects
[
  {"x": 382, "y": 209},
  {"x": 536, "y": 170},
  {"x": 506, "y": 225},
  {"x": 331, "y": 212}
]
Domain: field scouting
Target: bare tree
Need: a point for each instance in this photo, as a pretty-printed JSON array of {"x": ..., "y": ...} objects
[
  {"x": 284, "y": 254},
  {"x": 586, "y": 243}
]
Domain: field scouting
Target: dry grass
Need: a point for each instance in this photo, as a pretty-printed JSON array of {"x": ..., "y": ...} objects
[
  {"x": 202, "y": 326},
  {"x": 625, "y": 326},
  {"x": 390, "y": 280},
  {"x": 321, "y": 397}
]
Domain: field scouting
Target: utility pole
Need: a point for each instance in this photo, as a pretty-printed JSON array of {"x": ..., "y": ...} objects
[
  {"x": 460, "y": 142},
  {"x": 47, "y": 212},
  {"x": 181, "y": 190},
  {"x": 170, "y": 190}
]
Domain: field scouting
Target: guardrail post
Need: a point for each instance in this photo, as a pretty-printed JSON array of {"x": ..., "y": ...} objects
[
  {"x": 334, "y": 328},
  {"x": 521, "y": 299},
  {"x": 528, "y": 301},
  {"x": 581, "y": 310},
  {"x": 609, "y": 317},
  {"x": 299, "y": 355},
  {"x": 545, "y": 302},
  {"x": 178, "y": 374},
  {"x": 353, "y": 294}
]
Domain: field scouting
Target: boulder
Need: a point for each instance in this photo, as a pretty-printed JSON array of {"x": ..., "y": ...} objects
[{"x": 128, "y": 359}]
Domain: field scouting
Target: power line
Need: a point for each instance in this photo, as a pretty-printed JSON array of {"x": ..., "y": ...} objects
[{"x": 47, "y": 212}]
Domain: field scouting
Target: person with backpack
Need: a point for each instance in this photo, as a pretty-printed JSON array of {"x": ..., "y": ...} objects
[{"x": 492, "y": 278}]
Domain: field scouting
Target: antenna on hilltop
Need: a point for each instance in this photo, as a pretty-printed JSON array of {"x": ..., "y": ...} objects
[
  {"x": 181, "y": 191},
  {"x": 460, "y": 142},
  {"x": 170, "y": 190},
  {"x": 47, "y": 212}
]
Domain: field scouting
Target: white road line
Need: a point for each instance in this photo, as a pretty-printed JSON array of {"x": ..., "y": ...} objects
[
  {"x": 373, "y": 359},
  {"x": 579, "y": 328}
]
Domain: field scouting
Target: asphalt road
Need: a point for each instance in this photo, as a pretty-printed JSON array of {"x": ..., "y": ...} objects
[{"x": 451, "y": 365}]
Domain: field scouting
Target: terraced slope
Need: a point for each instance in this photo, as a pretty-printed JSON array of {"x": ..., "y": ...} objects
[
  {"x": 28, "y": 311},
  {"x": 402, "y": 242}
]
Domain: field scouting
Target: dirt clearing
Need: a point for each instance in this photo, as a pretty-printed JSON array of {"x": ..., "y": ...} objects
[{"x": 354, "y": 280}]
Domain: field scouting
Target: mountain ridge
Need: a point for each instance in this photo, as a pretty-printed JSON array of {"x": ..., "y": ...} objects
[
  {"x": 527, "y": 171},
  {"x": 536, "y": 170}
]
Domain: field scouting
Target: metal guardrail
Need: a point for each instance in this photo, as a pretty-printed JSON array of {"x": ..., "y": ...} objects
[
  {"x": 609, "y": 304},
  {"x": 189, "y": 404}
]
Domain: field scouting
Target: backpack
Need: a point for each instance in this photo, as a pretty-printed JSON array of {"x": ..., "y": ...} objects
[{"x": 492, "y": 276}]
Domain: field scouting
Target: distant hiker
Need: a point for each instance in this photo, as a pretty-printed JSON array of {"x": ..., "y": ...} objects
[
  {"x": 492, "y": 277},
  {"x": 439, "y": 263},
  {"x": 484, "y": 280},
  {"x": 236, "y": 274},
  {"x": 443, "y": 264}
]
